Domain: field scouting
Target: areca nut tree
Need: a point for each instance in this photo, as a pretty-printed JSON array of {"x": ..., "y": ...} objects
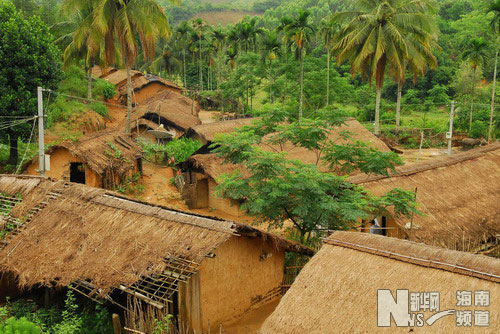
[
  {"x": 495, "y": 25},
  {"x": 300, "y": 31},
  {"x": 329, "y": 32},
  {"x": 128, "y": 26},
  {"x": 378, "y": 35}
]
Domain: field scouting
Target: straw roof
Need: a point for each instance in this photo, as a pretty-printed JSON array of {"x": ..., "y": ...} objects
[
  {"x": 206, "y": 132},
  {"x": 458, "y": 195},
  {"x": 214, "y": 166},
  {"x": 336, "y": 292},
  {"x": 143, "y": 80},
  {"x": 179, "y": 110},
  {"x": 104, "y": 150},
  {"x": 119, "y": 76},
  {"x": 85, "y": 233}
]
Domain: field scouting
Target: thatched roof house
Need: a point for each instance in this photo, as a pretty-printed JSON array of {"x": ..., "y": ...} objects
[
  {"x": 100, "y": 159},
  {"x": 174, "y": 111},
  {"x": 336, "y": 292},
  {"x": 105, "y": 245},
  {"x": 459, "y": 195},
  {"x": 202, "y": 169}
]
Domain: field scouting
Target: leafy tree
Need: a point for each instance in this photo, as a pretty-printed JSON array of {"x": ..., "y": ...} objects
[
  {"x": 495, "y": 25},
  {"x": 28, "y": 59},
  {"x": 276, "y": 189},
  {"x": 329, "y": 31},
  {"x": 383, "y": 34}
]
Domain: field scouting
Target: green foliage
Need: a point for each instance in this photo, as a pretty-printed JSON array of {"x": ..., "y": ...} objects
[
  {"x": 104, "y": 89},
  {"x": 163, "y": 326},
  {"x": 131, "y": 185},
  {"x": 100, "y": 108},
  {"x": 178, "y": 149},
  {"x": 18, "y": 326}
]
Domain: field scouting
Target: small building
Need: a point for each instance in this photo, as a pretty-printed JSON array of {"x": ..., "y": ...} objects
[
  {"x": 202, "y": 169},
  {"x": 458, "y": 195},
  {"x": 205, "y": 271},
  {"x": 174, "y": 112},
  {"x": 144, "y": 86},
  {"x": 101, "y": 159},
  {"x": 350, "y": 286}
]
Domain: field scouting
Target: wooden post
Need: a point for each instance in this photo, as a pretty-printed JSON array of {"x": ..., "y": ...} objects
[
  {"x": 449, "y": 135},
  {"x": 117, "y": 327}
]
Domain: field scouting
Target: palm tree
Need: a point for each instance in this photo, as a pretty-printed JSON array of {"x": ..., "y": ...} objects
[
  {"x": 495, "y": 25},
  {"x": 300, "y": 32},
  {"x": 329, "y": 31},
  {"x": 128, "y": 24},
  {"x": 382, "y": 34},
  {"x": 184, "y": 32},
  {"x": 271, "y": 48},
  {"x": 199, "y": 27}
]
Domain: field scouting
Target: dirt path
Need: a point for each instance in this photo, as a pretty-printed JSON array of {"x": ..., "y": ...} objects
[
  {"x": 414, "y": 155},
  {"x": 208, "y": 116},
  {"x": 251, "y": 322}
]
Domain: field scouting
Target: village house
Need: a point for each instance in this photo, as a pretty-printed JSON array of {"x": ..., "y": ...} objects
[
  {"x": 203, "y": 168},
  {"x": 207, "y": 272},
  {"x": 338, "y": 289},
  {"x": 101, "y": 159},
  {"x": 458, "y": 196},
  {"x": 144, "y": 86}
]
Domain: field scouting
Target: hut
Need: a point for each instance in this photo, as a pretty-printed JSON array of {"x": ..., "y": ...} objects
[
  {"x": 350, "y": 286},
  {"x": 205, "y": 271},
  {"x": 177, "y": 113},
  {"x": 457, "y": 194},
  {"x": 101, "y": 159},
  {"x": 201, "y": 170}
]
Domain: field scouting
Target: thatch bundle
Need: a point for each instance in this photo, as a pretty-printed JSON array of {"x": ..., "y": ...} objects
[
  {"x": 177, "y": 110},
  {"x": 108, "y": 151},
  {"x": 336, "y": 292},
  {"x": 458, "y": 195},
  {"x": 84, "y": 233},
  {"x": 206, "y": 133}
]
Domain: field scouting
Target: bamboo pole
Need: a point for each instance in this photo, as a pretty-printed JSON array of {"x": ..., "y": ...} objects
[{"x": 117, "y": 327}]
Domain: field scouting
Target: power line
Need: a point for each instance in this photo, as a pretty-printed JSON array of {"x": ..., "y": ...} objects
[{"x": 27, "y": 147}]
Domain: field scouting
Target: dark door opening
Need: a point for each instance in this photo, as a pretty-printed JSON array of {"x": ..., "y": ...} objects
[{"x": 77, "y": 172}]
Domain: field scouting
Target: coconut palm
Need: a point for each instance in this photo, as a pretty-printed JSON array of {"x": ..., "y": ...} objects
[
  {"x": 495, "y": 25},
  {"x": 127, "y": 26},
  {"x": 381, "y": 34},
  {"x": 300, "y": 31},
  {"x": 329, "y": 30}
]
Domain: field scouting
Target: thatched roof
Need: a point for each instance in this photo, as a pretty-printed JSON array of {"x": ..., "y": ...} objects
[
  {"x": 143, "y": 80},
  {"x": 104, "y": 150},
  {"x": 120, "y": 76},
  {"x": 214, "y": 166},
  {"x": 336, "y": 292},
  {"x": 84, "y": 233},
  {"x": 179, "y": 110},
  {"x": 206, "y": 132},
  {"x": 459, "y": 195}
]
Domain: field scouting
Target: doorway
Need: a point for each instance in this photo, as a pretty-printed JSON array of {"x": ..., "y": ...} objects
[{"x": 77, "y": 172}]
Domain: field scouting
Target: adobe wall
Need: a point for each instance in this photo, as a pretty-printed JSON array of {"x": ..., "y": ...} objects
[
  {"x": 224, "y": 204},
  {"x": 60, "y": 161},
  {"x": 245, "y": 272}
]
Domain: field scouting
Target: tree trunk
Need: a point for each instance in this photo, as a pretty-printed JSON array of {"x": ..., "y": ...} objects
[
  {"x": 398, "y": 105},
  {"x": 492, "y": 109},
  {"x": 184, "y": 67},
  {"x": 129, "y": 97},
  {"x": 328, "y": 78},
  {"x": 377, "y": 111},
  {"x": 13, "y": 155},
  {"x": 89, "y": 83},
  {"x": 301, "y": 101},
  {"x": 470, "y": 117},
  {"x": 201, "y": 70}
]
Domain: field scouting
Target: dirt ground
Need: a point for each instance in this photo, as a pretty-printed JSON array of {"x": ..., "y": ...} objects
[
  {"x": 251, "y": 322},
  {"x": 414, "y": 155},
  {"x": 208, "y": 116}
]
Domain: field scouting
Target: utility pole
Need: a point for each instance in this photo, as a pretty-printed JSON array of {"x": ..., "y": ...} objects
[
  {"x": 41, "y": 140},
  {"x": 449, "y": 134}
]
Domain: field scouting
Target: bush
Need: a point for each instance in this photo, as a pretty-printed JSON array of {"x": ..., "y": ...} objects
[
  {"x": 100, "y": 108},
  {"x": 62, "y": 109},
  {"x": 180, "y": 149},
  {"x": 104, "y": 89},
  {"x": 18, "y": 326}
]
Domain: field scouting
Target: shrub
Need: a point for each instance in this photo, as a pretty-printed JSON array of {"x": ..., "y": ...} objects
[
  {"x": 104, "y": 89},
  {"x": 180, "y": 149},
  {"x": 18, "y": 326},
  {"x": 100, "y": 108}
]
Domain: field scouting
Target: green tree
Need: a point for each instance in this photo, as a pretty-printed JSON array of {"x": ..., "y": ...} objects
[
  {"x": 270, "y": 50},
  {"x": 276, "y": 189},
  {"x": 382, "y": 34},
  {"x": 28, "y": 59},
  {"x": 329, "y": 31},
  {"x": 495, "y": 25},
  {"x": 184, "y": 33}
]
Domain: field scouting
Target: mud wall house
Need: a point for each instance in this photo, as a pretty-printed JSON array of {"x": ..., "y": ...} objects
[
  {"x": 337, "y": 291},
  {"x": 458, "y": 195},
  {"x": 102, "y": 159},
  {"x": 204, "y": 271},
  {"x": 201, "y": 171}
]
